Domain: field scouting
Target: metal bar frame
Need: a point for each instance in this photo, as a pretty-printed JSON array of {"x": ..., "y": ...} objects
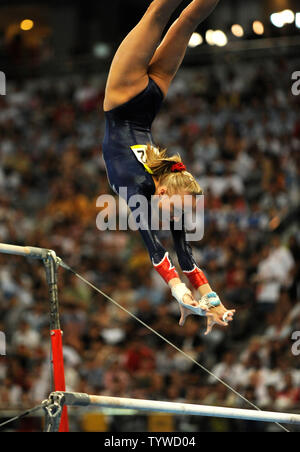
[
  {"x": 85, "y": 400},
  {"x": 51, "y": 263}
]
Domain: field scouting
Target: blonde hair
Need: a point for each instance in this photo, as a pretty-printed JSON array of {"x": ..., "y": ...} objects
[{"x": 160, "y": 165}]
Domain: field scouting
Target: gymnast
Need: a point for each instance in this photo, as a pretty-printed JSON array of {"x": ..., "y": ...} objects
[{"x": 140, "y": 75}]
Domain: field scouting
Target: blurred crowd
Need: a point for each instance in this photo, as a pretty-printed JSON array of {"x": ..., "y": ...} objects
[{"x": 237, "y": 126}]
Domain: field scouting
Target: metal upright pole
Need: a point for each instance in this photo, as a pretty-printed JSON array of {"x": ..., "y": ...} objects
[{"x": 51, "y": 263}]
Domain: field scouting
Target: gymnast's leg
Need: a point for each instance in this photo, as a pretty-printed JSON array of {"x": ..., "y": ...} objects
[
  {"x": 129, "y": 70},
  {"x": 169, "y": 55}
]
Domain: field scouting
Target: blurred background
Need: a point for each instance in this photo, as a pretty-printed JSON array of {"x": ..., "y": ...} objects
[
  {"x": 65, "y": 36},
  {"x": 233, "y": 115}
]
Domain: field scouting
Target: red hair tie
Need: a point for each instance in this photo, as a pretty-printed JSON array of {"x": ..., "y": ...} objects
[{"x": 178, "y": 167}]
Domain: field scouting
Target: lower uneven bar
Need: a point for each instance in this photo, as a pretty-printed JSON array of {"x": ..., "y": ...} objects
[
  {"x": 78, "y": 399},
  {"x": 26, "y": 251}
]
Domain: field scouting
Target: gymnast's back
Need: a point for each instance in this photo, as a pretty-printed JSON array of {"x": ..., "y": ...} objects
[{"x": 127, "y": 126}]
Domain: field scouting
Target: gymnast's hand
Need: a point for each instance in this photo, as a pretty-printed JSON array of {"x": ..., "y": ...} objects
[
  {"x": 185, "y": 312},
  {"x": 208, "y": 306},
  {"x": 218, "y": 315},
  {"x": 187, "y": 303}
]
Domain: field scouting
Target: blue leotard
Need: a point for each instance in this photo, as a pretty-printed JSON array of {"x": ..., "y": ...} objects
[{"x": 130, "y": 125}]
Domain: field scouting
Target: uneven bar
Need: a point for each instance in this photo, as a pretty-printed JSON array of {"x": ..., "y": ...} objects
[
  {"x": 78, "y": 399},
  {"x": 26, "y": 251}
]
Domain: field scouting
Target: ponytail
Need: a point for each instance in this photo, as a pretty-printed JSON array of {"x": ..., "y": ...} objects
[
  {"x": 171, "y": 172},
  {"x": 159, "y": 162}
]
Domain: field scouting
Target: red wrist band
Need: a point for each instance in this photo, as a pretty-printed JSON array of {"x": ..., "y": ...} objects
[
  {"x": 197, "y": 277},
  {"x": 166, "y": 269}
]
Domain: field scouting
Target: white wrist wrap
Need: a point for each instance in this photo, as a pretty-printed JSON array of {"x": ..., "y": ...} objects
[
  {"x": 210, "y": 300},
  {"x": 225, "y": 317},
  {"x": 179, "y": 291}
]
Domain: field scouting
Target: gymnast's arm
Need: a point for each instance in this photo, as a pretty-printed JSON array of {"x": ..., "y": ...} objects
[
  {"x": 164, "y": 266},
  {"x": 187, "y": 262},
  {"x": 160, "y": 258},
  {"x": 197, "y": 277}
]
